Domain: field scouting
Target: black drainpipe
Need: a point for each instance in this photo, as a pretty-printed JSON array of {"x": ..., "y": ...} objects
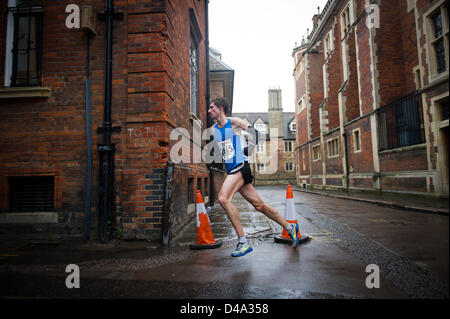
[
  {"x": 87, "y": 206},
  {"x": 106, "y": 150},
  {"x": 346, "y": 160}
]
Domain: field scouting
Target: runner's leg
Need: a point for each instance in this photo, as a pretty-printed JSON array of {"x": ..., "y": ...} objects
[
  {"x": 250, "y": 194},
  {"x": 229, "y": 187}
]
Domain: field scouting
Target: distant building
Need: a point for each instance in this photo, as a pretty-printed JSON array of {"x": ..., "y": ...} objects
[
  {"x": 221, "y": 78},
  {"x": 274, "y": 157},
  {"x": 372, "y": 97}
]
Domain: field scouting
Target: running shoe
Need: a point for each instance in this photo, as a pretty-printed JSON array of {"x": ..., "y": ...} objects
[
  {"x": 293, "y": 234},
  {"x": 241, "y": 250}
]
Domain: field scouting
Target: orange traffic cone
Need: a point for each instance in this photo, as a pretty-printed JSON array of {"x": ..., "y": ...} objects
[
  {"x": 205, "y": 238},
  {"x": 291, "y": 217}
]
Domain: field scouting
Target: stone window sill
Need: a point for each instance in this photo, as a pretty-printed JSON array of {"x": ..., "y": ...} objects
[
  {"x": 23, "y": 92},
  {"x": 195, "y": 119},
  {"x": 29, "y": 218},
  {"x": 404, "y": 148}
]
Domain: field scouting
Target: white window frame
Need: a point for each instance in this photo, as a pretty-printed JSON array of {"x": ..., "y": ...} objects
[
  {"x": 288, "y": 167},
  {"x": 303, "y": 159},
  {"x": 354, "y": 134},
  {"x": 325, "y": 80},
  {"x": 261, "y": 148},
  {"x": 316, "y": 158},
  {"x": 301, "y": 104},
  {"x": 328, "y": 45},
  {"x": 293, "y": 126},
  {"x": 346, "y": 20},
  {"x": 194, "y": 76},
  {"x": 430, "y": 36},
  {"x": 288, "y": 146},
  {"x": 260, "y": 127},
  {"x": 9, "y": 44},
  {"x": 330, "y": 142},
  {"x": 260, "y": 167}
]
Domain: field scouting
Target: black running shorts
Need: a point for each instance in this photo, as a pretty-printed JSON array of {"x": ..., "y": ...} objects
[{"x": 246, "y": 173}]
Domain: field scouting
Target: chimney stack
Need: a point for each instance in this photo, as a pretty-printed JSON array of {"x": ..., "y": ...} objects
[{"x": 316, "y": 17}]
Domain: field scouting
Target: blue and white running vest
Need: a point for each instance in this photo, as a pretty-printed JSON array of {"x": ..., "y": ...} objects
[{"x": 230, "y": 145}]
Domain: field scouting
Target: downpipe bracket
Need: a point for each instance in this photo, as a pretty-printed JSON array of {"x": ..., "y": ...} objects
[
  {"x": 116, "y": 15},
  {"x": 111, "y": 148},
  {"x": 102, "y": 129}
]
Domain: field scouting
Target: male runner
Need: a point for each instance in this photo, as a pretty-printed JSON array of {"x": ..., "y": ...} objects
[{"x": 227, "y": 134}]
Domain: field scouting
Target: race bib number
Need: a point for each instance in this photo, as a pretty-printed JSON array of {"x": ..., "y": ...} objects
[{"x": 227, "y": 149}]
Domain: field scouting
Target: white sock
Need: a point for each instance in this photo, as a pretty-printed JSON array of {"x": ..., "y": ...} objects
[
  {"x": 289, "y": 227},
  {"x": 243, "y": 239}
]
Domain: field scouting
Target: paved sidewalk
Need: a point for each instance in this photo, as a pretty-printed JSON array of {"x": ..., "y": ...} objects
[{"x": 411, "y": 202}]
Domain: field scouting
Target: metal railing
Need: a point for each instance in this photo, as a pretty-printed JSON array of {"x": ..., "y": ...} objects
[{"x": 400, "y": 123}]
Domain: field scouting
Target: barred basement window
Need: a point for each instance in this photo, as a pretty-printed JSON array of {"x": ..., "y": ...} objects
[
  {"x": 24, "y": 43},
  {"x": 31, "y": 193}
]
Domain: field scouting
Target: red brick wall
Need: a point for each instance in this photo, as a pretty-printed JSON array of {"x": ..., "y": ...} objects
[
  {"x": 404, "y": 161},
  {"x": 335, "y": 79},
  {"x": 351, "y": 89},
  {"x": 150, "y": 98},
  {"x": 302, "y": 127},
  {"x": 417, "y": 184},
  {"x": 396, "y": 51},
  {"x": 158, "y": 95},
  {"x": 315, "y": 85},
  {"x": 303, "y": 151},
  {"x": 360, "y": 162},
  {"x": 364, "y": 60}
]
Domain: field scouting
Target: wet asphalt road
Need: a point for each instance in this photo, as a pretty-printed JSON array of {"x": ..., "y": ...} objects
[{"x": 410, "y": 249}]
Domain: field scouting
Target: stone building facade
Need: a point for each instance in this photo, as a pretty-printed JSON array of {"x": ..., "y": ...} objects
[
  {"x": 273, "y": 161},
  {"x": 160, "y": 94},
  {"x": 372, "y": 97}
]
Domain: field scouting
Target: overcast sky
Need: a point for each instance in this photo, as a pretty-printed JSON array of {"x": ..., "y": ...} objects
[{"x": 256, "y": 39}]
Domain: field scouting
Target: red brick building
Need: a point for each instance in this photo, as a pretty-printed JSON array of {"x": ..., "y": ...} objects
[
  {"x": 372, "y": 97},
  {"x": 159, "y": 84}
]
